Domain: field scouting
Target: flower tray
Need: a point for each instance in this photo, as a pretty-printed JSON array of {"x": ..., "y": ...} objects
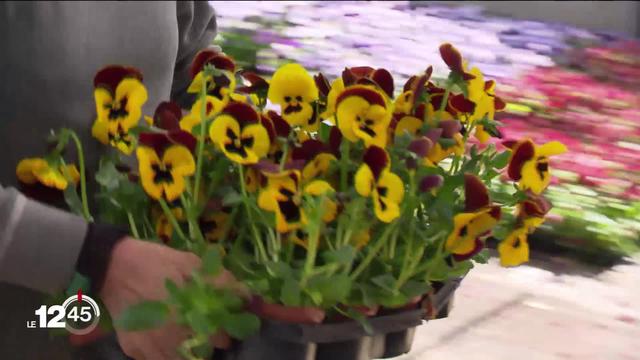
[{"x": 392, "y": 334}]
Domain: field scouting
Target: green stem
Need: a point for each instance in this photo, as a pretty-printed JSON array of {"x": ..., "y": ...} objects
[
  {"x": 404, "y": 272},
  {"x": 174, "y": 221},
  {"x": 375, "y": 249},
  {"x": 445, "y": 100},
  {"x": 132, "y": 224},
  {"x": 344, "y": 158},
  {"x": 194, "y": 227},
  {"x": 83, "y": 178},
  {"x": 201, "y": 140},
  {"x": 262, "y": 253},
  {"x": 285, "y": 154},
  {"x": 312, "y": 249}
]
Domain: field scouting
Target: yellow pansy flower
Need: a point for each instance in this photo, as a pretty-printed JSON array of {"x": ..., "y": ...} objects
[
  {"x": 362, "y": 113},
  {"x": 514, "y": 250},
  {"x": 374, "y": 179},
  {"x": 529, "y": 164},
  {"x": 164, "y": 160},
  {"x": 36, "y": 170},
  {"x": 295, "y": 91},
  {"x": 239, "y": 133}
]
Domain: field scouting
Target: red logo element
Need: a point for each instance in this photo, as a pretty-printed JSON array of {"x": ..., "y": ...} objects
[{"x": 79, "y": 295}]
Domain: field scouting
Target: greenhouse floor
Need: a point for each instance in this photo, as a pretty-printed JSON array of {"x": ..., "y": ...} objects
[{"x": 553, "y": 309}]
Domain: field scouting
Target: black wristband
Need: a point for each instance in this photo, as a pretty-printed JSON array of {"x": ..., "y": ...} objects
[{"x": 95, "y": 254}]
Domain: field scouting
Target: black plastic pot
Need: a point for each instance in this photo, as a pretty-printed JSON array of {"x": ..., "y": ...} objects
[{"x": 392, "y": 335}]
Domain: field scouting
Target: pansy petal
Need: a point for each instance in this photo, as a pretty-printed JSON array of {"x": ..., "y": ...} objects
[
  {"x": 514, "y": 250},
  {"x": 26, "y": 167},
  {"x": 259, "y": 138},
  {"x": 384, "y": 80},
  {"x": 523, "y": 151},
  {"x": 550, "y": 149},
  {"x": 408, "y": 125},
  {"x": 420, "y": 146},
  {"x": 476, "y": 195},
  {"x": 147, "y": 158},
  {"x": 180, "y": 159},
  {"x": 430, "y": 182},
  {"x": 318, "y": 187},
  {"x": 172, "y": 190},
  {"x": 364, "y": 180},
  {"x": 393, "y": 184},
  {"x": 292, "y": 80},
  {"x": 535, "y": 177},
  {"x": 376, "y": 159},
  {"x": 110, "y": 76},
  {"x": 450, "y": 128}
]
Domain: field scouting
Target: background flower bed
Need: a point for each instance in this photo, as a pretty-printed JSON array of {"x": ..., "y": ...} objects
[{"x": 552, "y": 96}]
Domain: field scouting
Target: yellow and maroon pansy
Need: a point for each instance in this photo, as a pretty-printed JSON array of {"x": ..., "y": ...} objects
[
  {"x": 453, "y": 59},
  {"x": 448, "y": 129},
  {"x": 363, "y": 113},
  {"x": 295, "y": 91},
  {"x": 164, "y": 160},
  {"x": 514, "y": 250},
  {"x": 529, "y": 164},
  {"x": 337, "y": 87},
  {"x": 374, "y": 179},
  {"x": 317, "y": 157},
  {"x": 477, "y": 220},
  {"x": 167, "y": 116},
  {"x": 366, "y": 75},
  {"x": 411, "y": 93},
  {"x": 282, "y": 196},
  {"x": 119, "y": 95},
  {"x": 189, "y": 121},
  {"x": 219, "y": 86},
  {"x": 257, "y": 84},
  {"x": 532, "y": 211},
  {"x": 213, "y": 225},
  {"x": 37, "y": 170},
  {"x": 240, "y": 134}
]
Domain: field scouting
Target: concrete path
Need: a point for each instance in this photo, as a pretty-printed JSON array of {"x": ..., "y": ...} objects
[{"x": 552, "y": 309}]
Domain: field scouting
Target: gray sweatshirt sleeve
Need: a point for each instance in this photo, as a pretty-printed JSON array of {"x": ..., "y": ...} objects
[
  {"x": 39, "y": 245},
  {"x": 196, "y": 31}
]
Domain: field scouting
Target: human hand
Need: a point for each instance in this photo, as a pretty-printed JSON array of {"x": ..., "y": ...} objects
[{"x": 137, "y": 272}]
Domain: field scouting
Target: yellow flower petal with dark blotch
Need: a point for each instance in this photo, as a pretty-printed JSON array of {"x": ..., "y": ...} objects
[
  {"x": 252, "y": 180},
  {"x": 362, "y": 114},
  {"x": 535, "y": 172},
  {"x": 387, "y": 192},
  {"x": 33, "y": 170},
  {"x": 466, "y": 228},
  {"x": 404, "y": 103},
  {"x": 220, "y": 91},
  {"x": 438, "y": 153},
  {"x": 282, "y": 196},
  {"x": 318, "y": 166},
  {"x": 165, "y": 178},
  {"x": 213, "y": 225},
  {"x": 214, "y": 105},
  {"x": 122, "y": 109},
  {"x": 387, "y": 196},
  {"x": 292, "y": 83},
  {"x": 514, "y": 250},
  {"x": 408, "y": 125},
  {"x": 242, "y": 145}
]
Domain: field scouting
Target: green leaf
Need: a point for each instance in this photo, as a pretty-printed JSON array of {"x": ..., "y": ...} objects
[
  {"x": 290, "y": 292},
  {"x": 108, "y": 176},
  {"x": 325, "y": 130},
  {"x": 414, "y": 288},
  {"x": 232, "y": 198},
  {"x": 482, "y": 257},
  {"x": 78, "y": 281},
  {"x": 72, "y": 199},
  {"x": 361, "y": 319},
  {"x": 501, "y": 160},
  {"x": 143, "y": 316},
  {"x": 386, "y": 281},
  {"x": 446, "y": 143},
  {"x": 198, "y": 322},
  {"x": 212, "y": 261},
  {"x": 240, "y": 326},
  {"x": 342, "y": 256}
]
